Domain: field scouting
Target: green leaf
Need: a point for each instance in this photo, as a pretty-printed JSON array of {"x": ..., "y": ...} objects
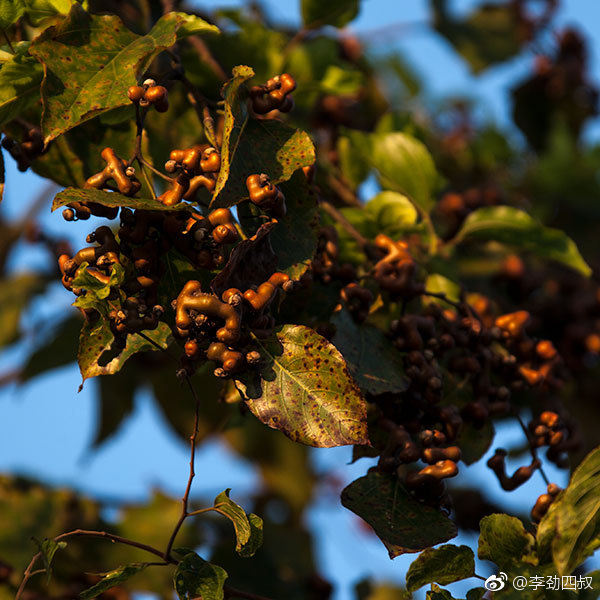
[
  {"x": 503, "y": 540},
  {"x": 83, "y": 279},
  {"x": 20, "y": 79},
  {"x": 374, "y": 363},
  {"x": 15, "y": 293},
  {"x": 109, "y": 59},
  {"x": 196, "y": 578},
  {"x": 516, "y": 228},
  {"x": 305, "y": 390},
  {"x": 96, "y": 339},
  {"x": 294, "y": 238},
  {"x": 244, "y": 529},
  {"x": 43, "y": 12},
  {"x": 571, "y": 527},
  {"x": 110, "y": 199},
  {"x": 235, "y": 96},
  {"x": 406, "y": 166},
  {"x": 442, "y": 565},
  {"x": 316, "y": 13},
  {"x": 393, "y": 213},
  {"x": 112, "y": 579},
  {"x": 439, "y": 284},
  {"x": 10, "y": 12},
  {"x": 48, "y": 548},
  {"x": 402, "y": 524},
  {"x": 270, "y": 147},
  {"x": 343, "y": 82},
  {"x": 256, "y": 536}
]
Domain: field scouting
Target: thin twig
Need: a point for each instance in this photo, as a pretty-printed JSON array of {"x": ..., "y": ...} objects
[
  {"x": 333, "y": 212},
  {"x": 186, "y": 496},
  {"x": 532, "y": 450},
  {"x": 235, "y": 593},
  {"x": 343, "y": 191},
  {"x": 29, "y": 572},
  {"x": 160, "y": 174}
]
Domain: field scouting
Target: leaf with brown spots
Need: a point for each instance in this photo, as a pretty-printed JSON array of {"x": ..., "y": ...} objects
[
  {"x": 305, "y": 390},
  {"x": 373, "y": 361},
  {"x": 90, "y": 61},
  {"x": 96, "y": 339},
  {"x": 110, "y": 199},
  {"x": 401, "y": 523}
]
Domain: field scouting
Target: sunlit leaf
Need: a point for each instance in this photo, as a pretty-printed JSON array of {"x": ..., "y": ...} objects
[
  {"x": 108, "y": 58},
  {"x": 96, "y": 339},
  {"x": 20, "y": 79},
  {"x": 305, "y": 390}
]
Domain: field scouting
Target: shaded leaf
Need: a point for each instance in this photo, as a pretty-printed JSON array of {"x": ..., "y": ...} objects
[
  {"x": 196, "y": 578},
  {"x": 374, "y": 363},
  {"x": 474, "y": 441},
  {"x": 116, "y": 402},
  {"x": 338, "y": 13},
  {"x": 110, "y": 199},
  {"x": 442, "y": 565},
  {"x": 571, "y": 527},
  {"x": 59, "y": 350},
  {"x": 264, "y": 146},
  {"x": 109, "y": 59},
  {"x": 20, "y": 79},
  {"x": 112, "y": 579},
  {"x": 305, "y": 390},
  {"x": 405, "y": 165},
  {"x": 402, "y": 524},
  {"x": 43, "y": 12},
  {"x": 503, "y": 540},
  {"x": 476, "y": 594},
  {"x": 488, "y": 35},
  {"x": 251, "y": 262},
  {"x": 10, "y": 12},
  {"x": 515, "y": 227},
  {"x": 294, "y": 238},
  {"x": 96, "y": 339},
  {"x": 15, "y": 293}
]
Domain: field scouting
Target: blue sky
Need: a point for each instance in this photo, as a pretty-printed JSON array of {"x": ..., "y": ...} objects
[{"x": 46, "y": 426}]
